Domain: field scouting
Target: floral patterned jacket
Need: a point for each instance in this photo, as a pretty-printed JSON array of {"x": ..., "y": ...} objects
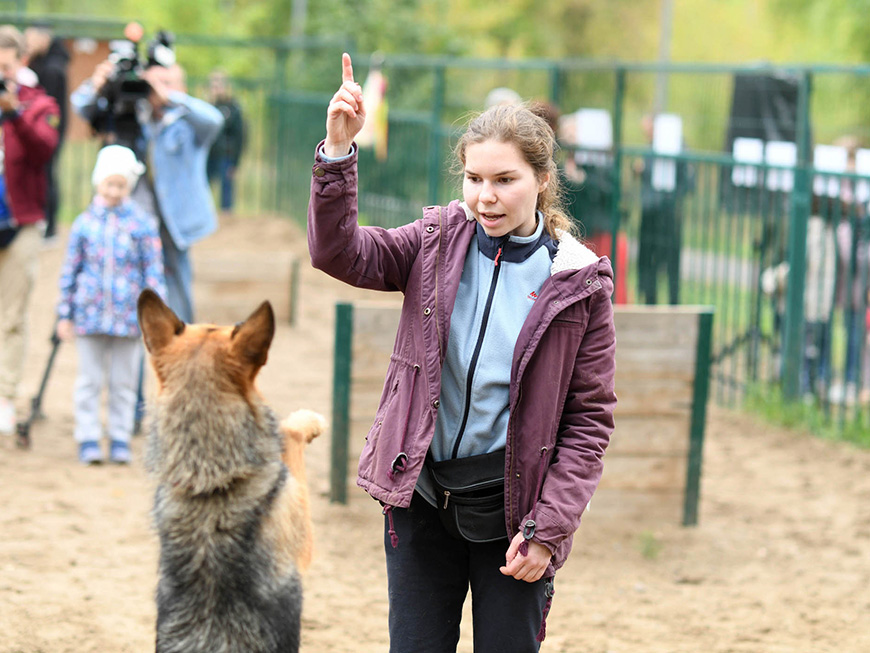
[{"x": 113, "y": 255}]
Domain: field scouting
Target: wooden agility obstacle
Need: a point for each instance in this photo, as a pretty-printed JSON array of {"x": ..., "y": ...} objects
[{"x": 652, "y": 469}]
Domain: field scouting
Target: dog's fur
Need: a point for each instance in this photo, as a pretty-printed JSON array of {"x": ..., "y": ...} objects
[{"x": 231, "y": 506}]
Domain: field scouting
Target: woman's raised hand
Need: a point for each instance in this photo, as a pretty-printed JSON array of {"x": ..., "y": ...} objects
[{"x": 346, "y": 114}]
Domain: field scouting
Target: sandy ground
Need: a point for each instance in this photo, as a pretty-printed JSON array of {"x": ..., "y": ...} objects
[{"x": 780, "y": 561}]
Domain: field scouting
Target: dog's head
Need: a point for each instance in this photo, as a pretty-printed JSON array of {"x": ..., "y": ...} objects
[{"x": 227, "y": 356}]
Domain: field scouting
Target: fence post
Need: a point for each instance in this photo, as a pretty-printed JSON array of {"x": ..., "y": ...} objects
[
  {"x": 556, "y": 84},
  {"x": 341, "y": 402},
  {"x": 277, "y": 101},
  {"x": 700, "y": 393},
  {"x": 435, "y": 134},
  {"x": 618, "y": 100},
  {"x": 797, "y": 248}
]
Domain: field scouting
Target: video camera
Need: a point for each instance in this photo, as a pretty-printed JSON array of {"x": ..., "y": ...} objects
[{"x": 116, "y": 117}]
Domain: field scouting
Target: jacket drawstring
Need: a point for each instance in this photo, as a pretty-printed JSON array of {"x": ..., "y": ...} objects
[
  {"x": 399, "y": 461},
  {"x": 394, "y": 539},
  {"x": 550, "y": 589},
  {"x": 529, "y": 526}
]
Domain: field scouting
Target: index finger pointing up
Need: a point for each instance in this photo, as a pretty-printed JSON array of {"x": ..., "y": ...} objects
[{"x": 346, "y": 68}]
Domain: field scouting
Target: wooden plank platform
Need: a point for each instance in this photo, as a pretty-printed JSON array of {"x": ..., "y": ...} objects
[
  {"x": 229, "y": 286},
  {"x": 652, "y": 467}
]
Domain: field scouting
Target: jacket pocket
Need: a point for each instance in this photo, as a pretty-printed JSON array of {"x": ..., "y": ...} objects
[{"x": 386, "y": 435}]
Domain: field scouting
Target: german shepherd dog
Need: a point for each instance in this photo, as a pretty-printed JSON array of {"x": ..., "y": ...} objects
[{"x": 231, "y": 505}]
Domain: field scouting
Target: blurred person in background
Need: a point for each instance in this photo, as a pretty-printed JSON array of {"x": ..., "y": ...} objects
[
  {"x": 47, "y": 56},
  {"x": 661, "y": 225},
  {"x": 30, "y": 121},
  {"x": 502, "y": 95},
  {"x": 178, "y": 131},
  {"x": 853, "y": 262},
  {"x": 225, "y": 153},
  {"x": 113, "y": 254}
]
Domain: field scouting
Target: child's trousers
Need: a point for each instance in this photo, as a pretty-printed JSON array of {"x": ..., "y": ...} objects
[
  {"x": 429, "y": 574},
  {"x": 112, "y": 362}
]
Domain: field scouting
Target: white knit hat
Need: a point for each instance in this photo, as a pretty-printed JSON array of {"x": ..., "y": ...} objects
[{"x": 117, "y": 160}]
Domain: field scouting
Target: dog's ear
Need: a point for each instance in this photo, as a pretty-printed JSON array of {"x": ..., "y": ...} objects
[
  {"x": 252, "y": 338},
  {"x": 158, "y": 323}
]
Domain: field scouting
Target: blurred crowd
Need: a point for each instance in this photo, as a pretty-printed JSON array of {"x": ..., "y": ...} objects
[{"x": 152, "y": 201}]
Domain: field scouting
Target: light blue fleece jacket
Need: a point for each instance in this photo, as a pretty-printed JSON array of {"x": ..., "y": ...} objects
[{"x": 491, "y": 306}]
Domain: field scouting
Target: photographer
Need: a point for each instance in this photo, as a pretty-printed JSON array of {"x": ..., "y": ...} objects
[
  {"x": 177, "y": 131},
  {"x": 30, "y": 121},
  {"x": 47, "y": 56}
]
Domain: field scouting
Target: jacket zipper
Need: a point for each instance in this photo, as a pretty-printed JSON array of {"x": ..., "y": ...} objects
[
  {"x": 109, "y": 271},
  {"x": 477, "y": 347}
]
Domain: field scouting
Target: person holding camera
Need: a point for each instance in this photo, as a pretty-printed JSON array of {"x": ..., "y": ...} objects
[
  {"x": 177, "y": 131},
  {"x": 28, "y": 139}
]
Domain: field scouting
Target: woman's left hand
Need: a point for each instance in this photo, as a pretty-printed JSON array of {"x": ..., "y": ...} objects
[{"x": 530, "y": 567}]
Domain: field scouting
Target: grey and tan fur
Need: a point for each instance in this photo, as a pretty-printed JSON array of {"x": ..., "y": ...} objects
[{"x": 231, "y": 505}]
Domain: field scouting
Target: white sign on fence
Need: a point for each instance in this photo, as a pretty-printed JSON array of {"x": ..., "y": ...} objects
[
  {"x": 780, "y": 153},
  {"x": 828, "y": 158},
  {"x": 747, "y": 150},
  {"x": 594, "y": 132},
  {"x": 862, "y": 167},
  {"x": 667, "y": 139}
]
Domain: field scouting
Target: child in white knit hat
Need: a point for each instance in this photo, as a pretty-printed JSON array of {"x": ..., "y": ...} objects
[{"x": 113, "y": 254}]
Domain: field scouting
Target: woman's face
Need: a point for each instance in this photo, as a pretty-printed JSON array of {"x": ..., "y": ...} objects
[{"x": 501, "y": 189}]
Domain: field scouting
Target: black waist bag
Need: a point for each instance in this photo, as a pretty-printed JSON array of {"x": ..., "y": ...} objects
[{"x": 470, "y": 493}]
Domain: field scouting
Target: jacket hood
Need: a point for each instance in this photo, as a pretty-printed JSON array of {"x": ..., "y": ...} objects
[{"x": 572, "y": 255}]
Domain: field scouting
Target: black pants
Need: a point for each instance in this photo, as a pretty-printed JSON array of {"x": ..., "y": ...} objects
[
  {"x": 429, "y": 573},
  {"x": 659, "y": 249},
  {"x": 52, "y": 195}
]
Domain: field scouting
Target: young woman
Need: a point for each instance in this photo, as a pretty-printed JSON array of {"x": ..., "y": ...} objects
[{"x": 504, "y": 359}]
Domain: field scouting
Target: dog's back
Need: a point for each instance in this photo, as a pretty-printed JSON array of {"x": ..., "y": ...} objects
[
  {"x": 225, "y": 501},
  {"x": 223, "y": 585}
]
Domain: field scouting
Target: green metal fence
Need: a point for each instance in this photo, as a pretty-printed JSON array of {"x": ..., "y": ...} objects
[
  {"x": 786, "y": 269},
  {"x": 783, "y": 328}
]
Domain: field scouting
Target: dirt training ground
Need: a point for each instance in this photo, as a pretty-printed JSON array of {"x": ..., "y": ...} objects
[{"x": 780, "y": 562}]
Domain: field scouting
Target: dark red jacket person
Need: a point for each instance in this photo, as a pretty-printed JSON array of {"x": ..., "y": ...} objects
[{"x": 30, "y": 136}]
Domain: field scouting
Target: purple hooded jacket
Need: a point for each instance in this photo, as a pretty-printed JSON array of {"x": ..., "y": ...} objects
[{"x": 562, "y": 377}]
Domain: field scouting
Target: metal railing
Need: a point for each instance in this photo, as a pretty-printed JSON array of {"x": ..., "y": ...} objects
[{"x": 712, "y": 242}]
